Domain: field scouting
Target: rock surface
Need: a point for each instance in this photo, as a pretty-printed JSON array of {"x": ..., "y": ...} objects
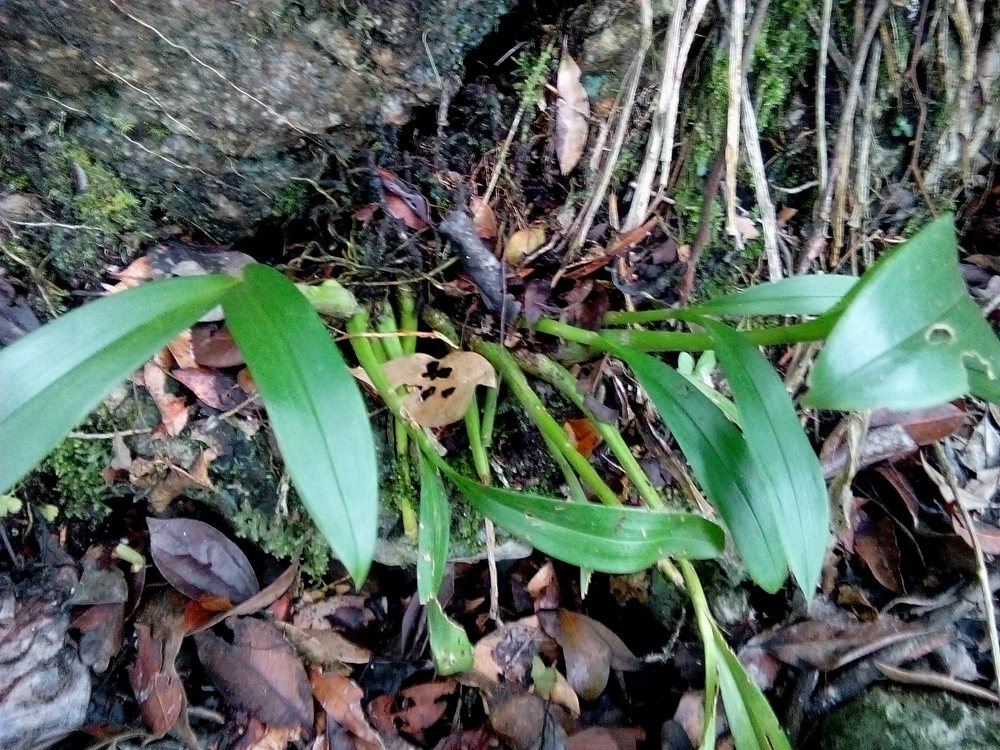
[{"x": 207, "y": 110}]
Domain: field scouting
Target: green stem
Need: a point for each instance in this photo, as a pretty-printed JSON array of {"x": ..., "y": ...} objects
[
  {"x": 677, "y": 341},
  {"x": 508, "y": 368},
  {"x": 703, "y": 617},
  {"x": 408, "y": 318},
  {"x": 387, "y": 324},
  {"x": 490, "y": 413},
  {"x": 474, "y": 429},
  {"x": 552, "y": 372}
]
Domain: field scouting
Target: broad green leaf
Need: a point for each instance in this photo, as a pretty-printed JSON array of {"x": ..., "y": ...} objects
[
  {"x": 53, "y": 377},
  {"x": 721, "y": 462},
  {"x": 612, "y": 539},
  {"x": 434, "y": 530},
  {"x": 450, "y": 647},
  {"x": 751, "y": 718},
  {"x": 982, "y": 386},
  {"x": 798, "y": 295},
  {"x": 315, "y": 410},
  {"x": 796, "y": 491},
  {"x": 907, "y": 334}
]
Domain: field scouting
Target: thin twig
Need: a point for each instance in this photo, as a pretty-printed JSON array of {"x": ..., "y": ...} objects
[
  {"x": 737, "y": 16},
  {"x": 981, "y": 572},
  {"x": 822, "y": 156}
]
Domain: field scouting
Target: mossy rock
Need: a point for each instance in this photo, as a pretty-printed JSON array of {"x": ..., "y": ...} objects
[{"x": 897, "y": 719}]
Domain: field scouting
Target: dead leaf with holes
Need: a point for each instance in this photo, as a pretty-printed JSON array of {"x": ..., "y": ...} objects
[
  {"x": 572, "y": 114},
  {"x": 439, "y": 391}
]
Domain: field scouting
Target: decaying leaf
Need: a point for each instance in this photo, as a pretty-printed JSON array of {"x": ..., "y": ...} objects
[
  {"x": 404, "y": 202},
  {"x": 572, "y": 114},
  {"x": 258, "y": 672},
  {"x": 144, "y": 473},
  {"x": 341, "y": 698},
  {"x": 522, "y": 243},
  {"x": 173, "y": 409},
  {"x": 483, "y": 218},
  {"x": 440, "y": 390},
  {"x": 414, "y": 709},
  {"x": 324, "y": 647},
  {"x": 526, "y": 722},
  {"x": 875, "y": 543},
  {"x": 214, "y": 389},
  {"x": 200, "y": 561},
  {"x": 589, "y": 648},
  {"x": 182, "y": 349},
  {"x": 582, "y": 435},
  {"x": 213, "y": 346},
  {"x": 263, "y": 598}
]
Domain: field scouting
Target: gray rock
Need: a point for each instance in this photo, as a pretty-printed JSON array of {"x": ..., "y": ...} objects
[
  {"x": 208, "y": 109},
  {"x": 897, "y": 719}
]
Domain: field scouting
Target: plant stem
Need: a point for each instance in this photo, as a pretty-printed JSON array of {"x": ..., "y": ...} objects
[
  {"x": 676, "y": 341},
  {"x": 555, "y": 374},
  {"x": 408, "y": 318},
  {"x": 490, "y": 413},
  {"x": 387, "y": 324},
  {"x": 474, "y": 429},
  {"x": 703, "y": 617},
  {"x": 508, "y": 368}
]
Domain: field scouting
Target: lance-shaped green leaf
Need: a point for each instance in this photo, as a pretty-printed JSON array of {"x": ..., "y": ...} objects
[
  {"x": 798, "y": 295},
  {"x": 721, "y": 462},
  {"x": 612, "y": 539},
  {"x": 751, "y": 718},
  {"x": 433, "y": 534},
  {"x": 53, "y": 377},
  {"x": 450, "y": 645},
  {"x": 315, "y": 410},
  {"x": 907, "y": 334},
  {"x": 784, "y": 457}
]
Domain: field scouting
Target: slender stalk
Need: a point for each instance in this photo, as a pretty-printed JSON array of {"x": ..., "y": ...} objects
[
  {"x": 507, "y": 366},
  {"x": 555, "y": 374},
  {"x": 474, "y": 429},
  {"x": 387, "y": 324},
  {"x": 490, "y": 413},
  {"x": 676, "y": 341},
  {"x": 408, "y": 318},
  {"x": 393, "y": 347},
  {"x": 703, "y": 617}
]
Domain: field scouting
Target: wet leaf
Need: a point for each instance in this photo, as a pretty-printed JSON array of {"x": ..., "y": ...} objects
[
  {"x": 721, "y": 462},
  {"x": 929, "y": 331},
  {"x": 434, "y": 530},
  {"x": 440, "y": 390},
  {"x": 589, "y": 648},
  {"x": 572, "y": 114},
  {"x": 341, "y": 698},
  {"x": 200, "y": 561},
  {"x": 796, "y": 492},
  {"x": 315, "y": 409},
  {"x": 55, "y": 376},
  {"x": 814, "y": 294},
  {"x": 600, "y": 537},
  {"x": 258, "y": 672},
  {"x": 450, "y": 645}
]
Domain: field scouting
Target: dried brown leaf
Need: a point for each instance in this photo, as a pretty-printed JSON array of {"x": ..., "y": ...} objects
[
  {"x": 173, "y": 409},
  {"x": 572, "y": 114},
  {"x": 988, "y": 536},
  {"x": 258, "y": 672},
  {"x": 875, "y": 543},
  {"x": 522, "y": 243},
  {"x": 214, "y": 389},
  {"x": 199, "y": 560},
  {"x": 213, "y": 346},
  {"x": 324, "y": 647},
  {"x": 341, "y": 698},
  {"x": 182, "y": 350},
  {"x": 483, "y": 218}
]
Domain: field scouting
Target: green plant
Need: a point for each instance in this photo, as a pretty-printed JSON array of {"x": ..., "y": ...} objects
[{"x": 758, "y": 470}]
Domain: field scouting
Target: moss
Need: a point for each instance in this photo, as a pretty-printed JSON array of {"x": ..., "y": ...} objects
[
  {"x": 14, "y": 179},
  {"x": 291, "y": 537},
  {"x": 290, "y": 200},
  {"x": 786, "y": 42}
]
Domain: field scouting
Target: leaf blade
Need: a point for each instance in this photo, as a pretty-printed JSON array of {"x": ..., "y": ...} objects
[
  {"x": 450, "y": 646},
  {"x": 42, "y": 396},
  {"x": 315, "y": 409},
  {"x": 433, "y": 534},
  {"x": 782, "y": 452},
  {"x": 814, "y": 294},
  {"x": 721, "y": 462},
  {"x": 611, "y": 539}
]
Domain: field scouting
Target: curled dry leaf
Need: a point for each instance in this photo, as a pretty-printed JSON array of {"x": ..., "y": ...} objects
[
  {"x": 483, "y": 218},
  {"x": 572, "y": 113},
  {"x": 589, "y": 648},
  {"x": 200, "y": 561},
  {"x": 173, "y": 409},
  {"x": 440, "y": 390},
  {"x": 522, "y": 243},
  {"x": 340, "y": 697},
  {"x": 258, "y": 672},
  {"x": 404, "y": 202}
]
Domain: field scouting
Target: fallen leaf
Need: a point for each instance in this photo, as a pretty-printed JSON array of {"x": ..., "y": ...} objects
[
  {"x": 182, "y": 350},
  {"x": 827, "y": 646},
  {"x": 341, "y": 698},
  {"x": 324, "y": 647},
  {"x": 16, "y": 318},
  {"x": 173, "y": 409},
  {"x": 483, "y": 218},
  {"x": 590, "y": 650},
  {"x": 199, "y": 560},
  {"x": 19, "y": 206},
  {"x": 263, "y": 598},
  {"x": 509, "y": 651},
  {"x": 258, "y": 672},
  {"x": 101, "y": 627},
  {"x": 213, "y": 346},
  {"x": 414, "y": 709},
  {"x": 260, "y": 736},
  {"x": 440, "y": 390},
  {"x": 522, "y": 243},
  {"x": 544, "y": 588},
  {"x": 605, "y": 738},
  {"x": 583, "y": 436},
  {"x": 572, "y": 114},
  {"x": 526, "y": 722},
  {"x": 875, "y": 544},
  {"x": 214, "y": 389},
  {"x": 178, "y": 479},
  {"x": 988, "y": 536},
  {"x": 403, "y": 202}
]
